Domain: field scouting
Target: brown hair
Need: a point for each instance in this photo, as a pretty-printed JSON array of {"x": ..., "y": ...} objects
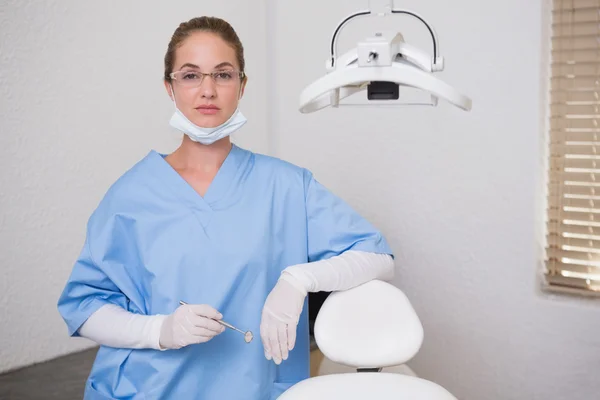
[{"x": 203, "y": 24}]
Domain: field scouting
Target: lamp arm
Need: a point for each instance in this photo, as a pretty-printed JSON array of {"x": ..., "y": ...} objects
[{"x": 369, "y": 12}]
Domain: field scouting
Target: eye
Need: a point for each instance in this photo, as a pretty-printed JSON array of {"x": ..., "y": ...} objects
[
  {"x": 223, "y": 75},
  {"x": 190, "y": 75}
]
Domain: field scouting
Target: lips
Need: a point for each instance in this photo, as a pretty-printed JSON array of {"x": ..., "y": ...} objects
[{"x": 207, "y": 109}]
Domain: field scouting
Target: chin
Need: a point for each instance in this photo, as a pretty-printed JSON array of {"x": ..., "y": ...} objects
[{"x": 209, "y": 121}]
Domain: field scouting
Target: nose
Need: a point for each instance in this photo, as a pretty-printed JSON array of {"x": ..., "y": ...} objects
[{"x": 207, "y": 87}]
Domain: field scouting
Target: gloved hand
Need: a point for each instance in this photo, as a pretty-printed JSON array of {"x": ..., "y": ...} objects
[
  {"x": 190, "y": 324},
  {"x": 280, "y": 317}
]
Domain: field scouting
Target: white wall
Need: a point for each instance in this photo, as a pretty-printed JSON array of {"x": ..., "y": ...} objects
[
  {"x": 81, "y": 100},
  {"x": 457, "y": 194}
]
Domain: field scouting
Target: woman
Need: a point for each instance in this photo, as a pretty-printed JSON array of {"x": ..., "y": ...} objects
[{"x": 235, "y": 235}]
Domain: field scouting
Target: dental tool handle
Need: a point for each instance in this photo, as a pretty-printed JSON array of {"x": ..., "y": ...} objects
[{"x": 229, "y": 326}]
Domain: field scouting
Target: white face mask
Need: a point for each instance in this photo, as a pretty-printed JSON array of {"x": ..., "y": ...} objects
[{"x": 206, "y": 135}]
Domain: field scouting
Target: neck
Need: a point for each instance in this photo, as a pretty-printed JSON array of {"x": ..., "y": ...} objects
[{"x": 195, "y": 156}]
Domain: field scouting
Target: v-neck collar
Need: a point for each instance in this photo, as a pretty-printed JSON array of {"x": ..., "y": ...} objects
[{"x": 218, "y": 188}]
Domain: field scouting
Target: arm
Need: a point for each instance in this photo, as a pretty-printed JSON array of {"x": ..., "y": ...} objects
[
  {"x": 284, "y": 304},
  {"x": 343, "y": 250},
  {"x": 349, "y": 269},
  {"x": 115, "y": 327},
  {"x": 101, "y": 302}
]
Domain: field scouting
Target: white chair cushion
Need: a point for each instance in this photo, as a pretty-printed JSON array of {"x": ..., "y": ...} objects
[
  {"x": 366, "y": 385},
  {"x": 370, "y": 326}
]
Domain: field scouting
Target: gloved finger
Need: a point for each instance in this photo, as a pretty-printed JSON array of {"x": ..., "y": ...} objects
[
  {"x": 283, "y": 340},
  {"x": 274, "y": 342},
  {"x": 206, "y": 323},
  {"x": 291, "y": 336},
  {"x": 200, "y": 331},
  {"x": 264, "y": 337},
  {"x": 204, "y": 310},
  {"x": 204, "y": 335},
  {"x": 186, "y": 337}
]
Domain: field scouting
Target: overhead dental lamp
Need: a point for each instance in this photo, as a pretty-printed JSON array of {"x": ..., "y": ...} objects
[{"x": 380, "y": 66}]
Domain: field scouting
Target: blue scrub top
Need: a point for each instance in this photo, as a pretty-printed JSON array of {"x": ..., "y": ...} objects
[{"x": 153, "y": 240}]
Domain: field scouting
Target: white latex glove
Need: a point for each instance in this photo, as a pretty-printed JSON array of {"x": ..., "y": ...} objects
[
  {"x": 280, "y": 317},
  {"x": 343, "y": 272},
  {"x": 190, "y": 324}
]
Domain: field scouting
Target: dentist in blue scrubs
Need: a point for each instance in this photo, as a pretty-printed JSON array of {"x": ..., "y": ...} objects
[{"x": 236, "y": 235}]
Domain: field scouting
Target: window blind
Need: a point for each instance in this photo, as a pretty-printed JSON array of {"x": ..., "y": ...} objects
[{"x": 573, "y": 230}]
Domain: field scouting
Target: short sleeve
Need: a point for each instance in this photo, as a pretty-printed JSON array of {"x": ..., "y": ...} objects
[
  {"x": 87, "y": 289},
  {"x": 333, "y": 227}
]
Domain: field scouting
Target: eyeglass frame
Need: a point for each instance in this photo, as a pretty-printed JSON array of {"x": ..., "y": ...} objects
[{"x": 241, "y": 74}]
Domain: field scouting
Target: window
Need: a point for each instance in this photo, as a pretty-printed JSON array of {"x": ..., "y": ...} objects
[{"x": 573, "y": 223}]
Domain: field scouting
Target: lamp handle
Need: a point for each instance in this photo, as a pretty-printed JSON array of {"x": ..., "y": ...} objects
[{"x": 370, "y": 12}]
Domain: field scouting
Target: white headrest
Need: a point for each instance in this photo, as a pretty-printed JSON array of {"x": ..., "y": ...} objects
[{"x": 370, "y": 326}]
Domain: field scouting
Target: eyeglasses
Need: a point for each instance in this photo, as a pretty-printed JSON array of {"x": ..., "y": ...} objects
[{"x": 194, "y": 78}]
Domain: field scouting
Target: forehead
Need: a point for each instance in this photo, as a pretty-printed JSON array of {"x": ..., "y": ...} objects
[{"x": 205, "y": 50}]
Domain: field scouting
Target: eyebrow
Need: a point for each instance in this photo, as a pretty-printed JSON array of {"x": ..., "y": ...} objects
[
  {"x": 224, "y": 64},
  {"x": 221, "y": 65}
]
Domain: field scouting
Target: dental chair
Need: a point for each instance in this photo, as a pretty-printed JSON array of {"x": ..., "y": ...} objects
[{"x": 370, "y": 327}]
